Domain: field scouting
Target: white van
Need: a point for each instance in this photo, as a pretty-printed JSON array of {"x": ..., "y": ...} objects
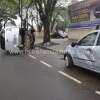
[{"x": 10, "y": 39}]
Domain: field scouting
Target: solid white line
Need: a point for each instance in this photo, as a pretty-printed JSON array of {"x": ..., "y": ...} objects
[
  {"x": 70, "y": 77},
  {"x": 32, "y": 57},
  {"x": 98, "y": 93},
  {"x": 48, "y": 65}
]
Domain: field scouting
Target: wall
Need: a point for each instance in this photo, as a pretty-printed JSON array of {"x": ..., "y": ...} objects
[
  {"x": 82, "y": 18},
  {"x": 76, "y": 34}
]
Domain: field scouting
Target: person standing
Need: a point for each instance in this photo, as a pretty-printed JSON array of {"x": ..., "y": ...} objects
[
  {"x": 23, "y": 31},
  {"x": 32, "y": 38}
]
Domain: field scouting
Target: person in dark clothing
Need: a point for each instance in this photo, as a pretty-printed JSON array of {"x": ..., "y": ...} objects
[
  {"x": 33, "y": 38},
  {"x": 2, "y": 41},
  {"x": 22, "y": 34},
  {"x": 23, "y": 30}
]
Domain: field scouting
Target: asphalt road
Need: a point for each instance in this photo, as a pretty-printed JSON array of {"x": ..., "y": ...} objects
[{"x": 44, "y": 77}]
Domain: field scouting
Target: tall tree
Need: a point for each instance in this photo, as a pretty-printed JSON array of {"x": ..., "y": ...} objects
[
  {"x": 7, "y": 10},
  {"x": 13, "y": 7},
  {"x": 45, "y": 9},
  {"x": 24, "y": 6}
]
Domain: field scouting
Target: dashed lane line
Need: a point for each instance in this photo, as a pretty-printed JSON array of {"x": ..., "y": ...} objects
[
  {"x": 98, "y": 93},
  {"x": 70, "y": 77},
  {"x": 46, "y": 64},
  {"x": 63, "y": 73},
  {"x": 33, "y": 57}
]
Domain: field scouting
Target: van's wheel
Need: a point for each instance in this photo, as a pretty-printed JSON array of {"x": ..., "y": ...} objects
[{"x": 68, "y": 61}]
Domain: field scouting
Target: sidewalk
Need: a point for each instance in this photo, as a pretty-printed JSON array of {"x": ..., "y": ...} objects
[{"x": 58, "y": 45}]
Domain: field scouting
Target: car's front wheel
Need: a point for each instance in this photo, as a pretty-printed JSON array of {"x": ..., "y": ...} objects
[{"x": 68, "y": 61}]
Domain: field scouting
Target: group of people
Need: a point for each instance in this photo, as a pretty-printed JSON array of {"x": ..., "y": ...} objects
[{"x": 24, "y": 33}]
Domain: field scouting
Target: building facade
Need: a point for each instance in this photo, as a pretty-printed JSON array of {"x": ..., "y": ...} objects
[{"x": 84, "y": 17}]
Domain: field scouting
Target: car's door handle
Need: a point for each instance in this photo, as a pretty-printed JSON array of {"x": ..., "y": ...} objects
[
  {"x": 7, "y": 40},
  {"x": 90, "y": 50}
]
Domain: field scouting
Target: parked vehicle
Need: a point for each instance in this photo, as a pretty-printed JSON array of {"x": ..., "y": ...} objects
[
  {"x": 10, "y": 39},
  {"x": 13, "y": 42},
  {"x": 59, "y": 34},
  {"x": 85, "y": 53}
]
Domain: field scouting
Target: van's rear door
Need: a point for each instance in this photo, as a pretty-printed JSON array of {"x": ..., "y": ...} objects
[
  {"x": 11, "y": 38},
  {"x": 8, "y": 39}
]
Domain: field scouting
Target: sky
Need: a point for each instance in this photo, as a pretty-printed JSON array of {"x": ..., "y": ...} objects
[
  {"x": 65, "y": 3},
  {"x": 80, "y": 0}
]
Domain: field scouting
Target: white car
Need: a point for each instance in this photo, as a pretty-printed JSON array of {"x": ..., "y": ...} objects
[{"x": 85, "y": 53}]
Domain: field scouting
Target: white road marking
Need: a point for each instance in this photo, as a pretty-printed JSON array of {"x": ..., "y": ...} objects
[
  {"x": 48, "y": 65},
  {"x": 32, "y": 57},
  {"x": 70, "y": 77},
  {"x": 97, "y": 92}
]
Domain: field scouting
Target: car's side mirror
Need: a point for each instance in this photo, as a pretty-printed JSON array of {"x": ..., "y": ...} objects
[{"x": 73, "y": 44}]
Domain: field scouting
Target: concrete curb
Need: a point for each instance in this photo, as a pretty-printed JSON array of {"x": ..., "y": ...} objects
[
  {"x": 47, "y": 48},
  {"x": 61, "y": 52}
]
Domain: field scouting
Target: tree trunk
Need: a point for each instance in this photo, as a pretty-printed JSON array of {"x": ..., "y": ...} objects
[
  {"x": 39, "y": 27},
  {"x": 46, "y": 37}
]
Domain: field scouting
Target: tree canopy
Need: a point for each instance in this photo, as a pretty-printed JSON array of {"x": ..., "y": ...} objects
[{"x": 45, "y": 9}]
